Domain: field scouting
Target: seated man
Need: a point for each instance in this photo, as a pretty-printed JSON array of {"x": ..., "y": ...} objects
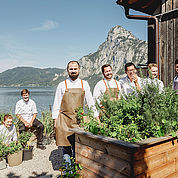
[
  {"x": 153, "y": 76},
  {"x": 131, "y": 82},
  {"x": 7, "y": 130},
  {"x": 26, "y": 112}
]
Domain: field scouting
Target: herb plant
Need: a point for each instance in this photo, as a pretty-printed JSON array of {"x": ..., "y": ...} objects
[{"x": 146, "y": 114}]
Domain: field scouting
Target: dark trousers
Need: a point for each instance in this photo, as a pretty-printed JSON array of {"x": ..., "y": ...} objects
[
  {"x": 38, "y": 126},
  {"x": 70, "y": 150}
]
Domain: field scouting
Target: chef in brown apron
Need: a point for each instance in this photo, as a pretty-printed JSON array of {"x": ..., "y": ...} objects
[
  {"x": 70, "y": 94},
  {"x": 108, "y": 85}
]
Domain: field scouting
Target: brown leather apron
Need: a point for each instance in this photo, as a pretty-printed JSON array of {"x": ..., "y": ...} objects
[
  {"x": 112, "y": 92},
  {"x": 72, "y": 99}
]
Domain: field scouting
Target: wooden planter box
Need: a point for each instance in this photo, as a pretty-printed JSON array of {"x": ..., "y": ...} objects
[{"x": 107, "y": 157}]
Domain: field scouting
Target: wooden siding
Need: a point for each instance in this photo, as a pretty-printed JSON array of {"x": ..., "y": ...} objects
[{"x": 168, "y": 39}]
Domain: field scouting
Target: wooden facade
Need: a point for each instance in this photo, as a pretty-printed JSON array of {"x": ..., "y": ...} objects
[
  {"x": 162, "y": 17},
  {"x": 103, "y": 157},
  {"x": 168, "y": 36}
]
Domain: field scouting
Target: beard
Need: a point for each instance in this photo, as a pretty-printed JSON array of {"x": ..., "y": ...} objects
[
  {"x": 108, "y": 76},
  {"x": 73, "y": 76}
]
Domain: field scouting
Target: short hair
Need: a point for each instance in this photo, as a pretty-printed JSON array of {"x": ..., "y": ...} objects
[
  {"x": 6, "y": 116},
  {"x": 176, "y": 62},
  {"x": 25, "y": 91},
  {"x": 129, "y": 64},
  {"x": 104, "y": 66},
  {"x": 72, "y": 62},
  {"x": 152, "y": 65}
]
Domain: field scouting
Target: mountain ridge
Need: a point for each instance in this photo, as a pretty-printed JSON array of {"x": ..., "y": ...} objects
[{"x": 120, "y": 47}]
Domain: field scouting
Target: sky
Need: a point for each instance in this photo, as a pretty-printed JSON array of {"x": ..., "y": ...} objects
[{"x": 50, "y": 33}]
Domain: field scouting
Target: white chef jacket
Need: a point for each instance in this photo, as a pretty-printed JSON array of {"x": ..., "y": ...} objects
[
  {"x": 157, "y": 83},
  {"x": 8, "y": 135},
  {"x": 26, "y": 109},
  {"x": 100, "y": 88},
  {"x": 72, "y": 84},
  {"x": 175, "y": 84},
  {"x": 129, "y": 87}
]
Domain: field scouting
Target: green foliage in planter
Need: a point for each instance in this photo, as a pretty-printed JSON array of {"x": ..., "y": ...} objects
[
  {"x": 148, "y": 113},
  {"x": 2, "y": 149},
  {"x": 47, "y": 121},
  {"x": 71, "y": 170},
  {"x": 13, "y": 147},
  {"x": 24, "y": 137}
]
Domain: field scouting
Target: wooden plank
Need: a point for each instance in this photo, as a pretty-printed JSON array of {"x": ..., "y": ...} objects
[
  {"x": 107, "y": 160},
  {"x": 105, "y": 139},
  {"x": 163, "y": 51},
  {"x": 156, "y": 161},
  {"x": 163, "y": 171},
  {"x": 111, "y": 149},
  {"x": 170, "y": 44},
  {"x": 155, "y": 150},
  {"x": 85, "y": 173},
  {"x": 98, "y": 169},
  {"x": 173, "y": 175}
]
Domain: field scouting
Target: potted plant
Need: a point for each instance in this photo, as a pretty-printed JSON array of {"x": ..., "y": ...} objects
[
  {"x": 2, "y": 155},
  {"x": 47, "y": 121},
  {"x": 14, "y": 153},
  {"x": 134, "y": 138},
  {"x": 24, "y": 139}
]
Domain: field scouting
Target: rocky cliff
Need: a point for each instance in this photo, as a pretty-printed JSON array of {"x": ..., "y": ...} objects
[{"x": 120, "y": 47}]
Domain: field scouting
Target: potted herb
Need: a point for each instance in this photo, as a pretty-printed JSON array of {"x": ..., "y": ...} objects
[
  {"x": 137, "y": 137},
  {"x": 14, "y": 153},
  {"x": 2, "y": 155},
  {"x": 47, "y": 121},
  {"x": 24, "y": 139}
]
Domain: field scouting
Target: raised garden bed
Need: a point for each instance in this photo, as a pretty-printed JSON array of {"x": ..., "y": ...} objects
[{"x": 107, "y": 157}]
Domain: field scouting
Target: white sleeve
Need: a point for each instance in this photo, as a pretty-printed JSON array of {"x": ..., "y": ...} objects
[
  {"x": 57, "y": 102},
  {"x": 97, "y": 93},
  {"x": 17, "y": 108},
  {"x": 14, "y": 136},
  {"x": 34, "y": 109},
  {"x": 89, "y": 99}
]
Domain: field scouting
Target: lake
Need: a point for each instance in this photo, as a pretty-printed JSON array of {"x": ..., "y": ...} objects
[{"x": 43, "y": 96}]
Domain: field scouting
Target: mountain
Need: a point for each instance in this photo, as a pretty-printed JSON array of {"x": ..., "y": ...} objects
[
  {"x": 120, "y": 47},
  {"x": 29, "y": 76}
]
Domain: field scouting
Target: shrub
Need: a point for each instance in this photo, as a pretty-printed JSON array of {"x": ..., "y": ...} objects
[{"x": 147, "y": 114}]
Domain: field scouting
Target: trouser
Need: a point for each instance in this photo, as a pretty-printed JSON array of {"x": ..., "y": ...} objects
[
  {"x": 38, "y": 126},
  {"x": 70, "y": 150}
]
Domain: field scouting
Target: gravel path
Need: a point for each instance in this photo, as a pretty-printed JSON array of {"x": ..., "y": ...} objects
[{"x": 45, "y": 164}]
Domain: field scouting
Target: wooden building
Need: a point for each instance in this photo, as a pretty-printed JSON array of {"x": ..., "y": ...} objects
[{"x": 162, "y": 17}]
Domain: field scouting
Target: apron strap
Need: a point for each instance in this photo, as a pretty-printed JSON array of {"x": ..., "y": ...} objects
[
  {"x": 105, "y": 84},
  {"x": 117, "y": 85},
  {"x": 82, "y": 85},
  {"x": 66, "y": 85}
]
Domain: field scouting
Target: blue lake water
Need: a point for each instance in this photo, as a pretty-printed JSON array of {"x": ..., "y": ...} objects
[{"x": 43, "y": 96}]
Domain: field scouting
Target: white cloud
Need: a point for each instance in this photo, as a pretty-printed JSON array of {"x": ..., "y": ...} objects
[
  {"x": 13, "y": 54},
  {"x": 46, "y": 26}
]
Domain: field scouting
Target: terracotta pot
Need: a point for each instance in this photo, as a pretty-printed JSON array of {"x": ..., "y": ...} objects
[
  {"x": 2, "y": 163},
  {"x": 15, "y": 159}
]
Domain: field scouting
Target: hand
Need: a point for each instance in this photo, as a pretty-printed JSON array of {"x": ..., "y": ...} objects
[
  {"x": 30, "y": 124},
  {"x": 97, "y": 118},
  {"x": 135, "y": 79},
  {"x": 55, "y": 122},
  {"x": 27, "y": 124}
]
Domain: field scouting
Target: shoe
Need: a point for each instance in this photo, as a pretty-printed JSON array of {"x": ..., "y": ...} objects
[{"x": 42, "y": 147}]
